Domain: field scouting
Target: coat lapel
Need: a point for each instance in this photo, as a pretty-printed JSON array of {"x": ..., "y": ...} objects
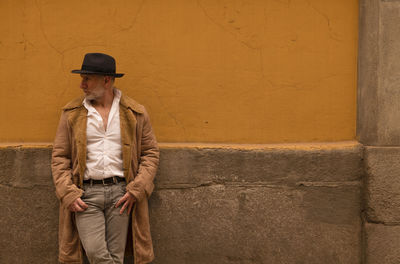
[
  {"x": 128, "y": 137},
  {"x": 78, "y": 119}
]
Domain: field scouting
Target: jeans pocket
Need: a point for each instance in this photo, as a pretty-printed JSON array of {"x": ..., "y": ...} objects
[{"x": 87, "y": 192}]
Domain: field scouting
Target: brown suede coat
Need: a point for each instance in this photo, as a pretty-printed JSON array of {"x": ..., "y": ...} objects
[{"x": 140, "y": 160}]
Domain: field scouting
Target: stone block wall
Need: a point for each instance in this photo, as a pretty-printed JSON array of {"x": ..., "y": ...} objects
[
  {"x": 28, "y": 206},
  {"x": 212, "y": 204},
  {"x": 382, "y": 211},
  {"x": 378, "y": 127}
]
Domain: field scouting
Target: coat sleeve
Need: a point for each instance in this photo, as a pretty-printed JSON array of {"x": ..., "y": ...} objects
[
  {"x": 142, "y": 186},
  {"x": 67, "y": 192}
]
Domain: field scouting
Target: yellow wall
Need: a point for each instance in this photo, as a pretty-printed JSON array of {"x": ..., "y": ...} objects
[{"x": 255, "y": 71}]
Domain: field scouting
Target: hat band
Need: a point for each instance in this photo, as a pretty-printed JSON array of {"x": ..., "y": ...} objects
[{"x": 96, "y": 69}]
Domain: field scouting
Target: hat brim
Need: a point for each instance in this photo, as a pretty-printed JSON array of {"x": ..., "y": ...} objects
[{"x": 116, "y": 75}]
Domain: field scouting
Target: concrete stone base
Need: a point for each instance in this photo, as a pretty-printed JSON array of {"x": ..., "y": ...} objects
[
  {"x": 296, "y": 204},
  {"x": 382, "y": 227},
  {"x": 259, "y": 224},
  {"x": 28, "y": 206},
  {"x": 212, "y": 204},
  {"x": 383, "y": 243},
  {"x": 383, "y": 184}
]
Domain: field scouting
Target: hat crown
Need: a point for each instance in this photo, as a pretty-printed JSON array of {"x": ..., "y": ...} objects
[{"x": 98, "y": 62}]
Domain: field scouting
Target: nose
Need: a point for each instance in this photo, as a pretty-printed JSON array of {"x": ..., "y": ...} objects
[{"x": 83, "y": 85}]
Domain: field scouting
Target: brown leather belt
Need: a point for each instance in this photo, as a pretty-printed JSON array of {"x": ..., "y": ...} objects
[{"x": 106, "y": 181}]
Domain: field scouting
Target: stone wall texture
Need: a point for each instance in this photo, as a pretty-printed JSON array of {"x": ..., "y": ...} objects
[
  {"x": 382, "y": 205},
  {"x": 212, "y": 204},
  {"x": 378, "y": 127},
  {"x": 379, "y": 65}
]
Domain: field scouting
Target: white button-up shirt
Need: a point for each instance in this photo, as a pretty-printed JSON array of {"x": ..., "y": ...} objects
[{"x": 104, "y": 151}]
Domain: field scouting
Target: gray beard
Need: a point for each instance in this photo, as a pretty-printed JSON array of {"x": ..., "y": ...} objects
[{"x": 96, "y": 94}]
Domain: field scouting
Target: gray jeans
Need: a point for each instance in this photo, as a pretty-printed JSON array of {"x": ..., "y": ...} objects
[{"x": 101, "y": 228}]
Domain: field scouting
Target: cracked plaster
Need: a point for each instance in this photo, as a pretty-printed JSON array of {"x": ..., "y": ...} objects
[{"x": 201, "y": 67}]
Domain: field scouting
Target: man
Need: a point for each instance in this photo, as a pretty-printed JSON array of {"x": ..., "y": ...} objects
[{"x": 104, "y": 160}]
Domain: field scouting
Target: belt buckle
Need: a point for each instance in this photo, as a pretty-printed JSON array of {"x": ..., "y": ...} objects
[{"x": 106, "y": 184}]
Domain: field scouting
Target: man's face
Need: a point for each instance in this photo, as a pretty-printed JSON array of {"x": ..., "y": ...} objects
[{"x": 93, "y": 86}]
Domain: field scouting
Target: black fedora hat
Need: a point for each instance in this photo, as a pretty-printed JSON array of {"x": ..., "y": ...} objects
[{"x": 98, "y": 63}]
